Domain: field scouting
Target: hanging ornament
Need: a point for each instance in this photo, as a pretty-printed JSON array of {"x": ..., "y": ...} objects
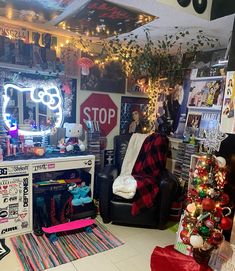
[
  {"x": 224, "y": 198},
  {"x": 196, "y": 241},
  {"x": 209, "y": 223},
  {"x": 184, "y": 235},
  {"x": 208, "y": 204},
  {"x": 218, "y": 214},
  {"x": 203, "y": 230},
  {"x": 221, "y": 161},
  {"x": 191, "y": 208},
  {"x": 216, "y": 238},
  {"x": 202, "y": 194},
  {"x": 226, "y": 223}
]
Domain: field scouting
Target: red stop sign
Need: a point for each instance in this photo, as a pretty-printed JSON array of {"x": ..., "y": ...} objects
[{"x": 101, "y": 108}]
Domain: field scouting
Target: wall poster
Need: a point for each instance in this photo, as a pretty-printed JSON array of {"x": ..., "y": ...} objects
[
  {"x": 227, "y": 116},
  {"x": 132, "y": 114}
]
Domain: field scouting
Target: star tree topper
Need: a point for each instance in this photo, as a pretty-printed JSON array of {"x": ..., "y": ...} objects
[{"x": 214, "y": 138}]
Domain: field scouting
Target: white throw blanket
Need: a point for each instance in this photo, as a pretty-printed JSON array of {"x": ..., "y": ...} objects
[{"x": 125, "y": 184}]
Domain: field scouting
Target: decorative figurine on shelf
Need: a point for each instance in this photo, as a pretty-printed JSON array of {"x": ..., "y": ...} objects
[
  {"x": 80, "y": 194},
  {"x": 73, "y": 134},
  {"x": 62, "y": 145}
]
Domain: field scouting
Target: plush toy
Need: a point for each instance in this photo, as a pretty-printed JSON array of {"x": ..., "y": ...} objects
[
  {"x": 80, "y": 194},
  {"x": 73, "y": 133}
]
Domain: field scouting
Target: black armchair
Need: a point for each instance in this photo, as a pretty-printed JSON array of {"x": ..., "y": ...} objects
[{"x": 118, "y": 210}]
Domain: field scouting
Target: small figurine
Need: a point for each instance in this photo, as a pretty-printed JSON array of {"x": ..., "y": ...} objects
[
  {"x": 73, "y": 134},
  {"x": 80, "y": 194}
]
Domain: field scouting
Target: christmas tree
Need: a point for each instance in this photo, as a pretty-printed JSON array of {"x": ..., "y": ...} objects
[{"x": 206, "y": 215}]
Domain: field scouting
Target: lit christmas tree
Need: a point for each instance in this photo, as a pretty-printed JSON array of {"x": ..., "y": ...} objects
[{"x": 206, "y": 215}]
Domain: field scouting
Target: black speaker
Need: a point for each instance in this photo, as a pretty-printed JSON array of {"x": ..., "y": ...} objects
[
  {"x": 184, "y": 3},
  {"x": 200, "y": 5}
]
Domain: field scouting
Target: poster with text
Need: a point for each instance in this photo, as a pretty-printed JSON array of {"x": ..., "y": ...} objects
[{"x": 227, "y": 116}]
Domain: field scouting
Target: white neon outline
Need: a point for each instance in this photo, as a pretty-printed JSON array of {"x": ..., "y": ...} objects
[{"x": 59, "y": 114}]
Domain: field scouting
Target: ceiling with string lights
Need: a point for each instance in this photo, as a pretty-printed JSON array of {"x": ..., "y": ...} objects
[{"x": 102, "y": 19}]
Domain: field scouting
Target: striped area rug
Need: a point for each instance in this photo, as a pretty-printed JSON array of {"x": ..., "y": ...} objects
[{"x": 37, "y": 253}]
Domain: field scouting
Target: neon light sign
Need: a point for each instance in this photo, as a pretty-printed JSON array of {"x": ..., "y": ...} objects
[{"x": 49, "y": 96}]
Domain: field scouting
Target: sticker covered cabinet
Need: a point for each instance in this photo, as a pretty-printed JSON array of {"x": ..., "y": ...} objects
[{"x": 16, "y": 194}]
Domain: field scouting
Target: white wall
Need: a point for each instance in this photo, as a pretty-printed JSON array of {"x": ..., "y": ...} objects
[{"x": 189, "y": 9}]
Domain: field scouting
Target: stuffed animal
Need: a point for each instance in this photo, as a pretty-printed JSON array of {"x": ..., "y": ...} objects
[
  {"x": 73, "y": 134},
  {"x": 80, "y": 194}
]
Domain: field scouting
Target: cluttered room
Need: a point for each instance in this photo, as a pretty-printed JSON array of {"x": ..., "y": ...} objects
[{"x": 117, "y": 135}]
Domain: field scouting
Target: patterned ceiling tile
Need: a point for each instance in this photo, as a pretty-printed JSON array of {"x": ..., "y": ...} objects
[{"x": 100, "y": 18}]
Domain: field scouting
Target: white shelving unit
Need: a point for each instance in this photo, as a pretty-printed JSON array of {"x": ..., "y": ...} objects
[{"x": 16, "y": 195}]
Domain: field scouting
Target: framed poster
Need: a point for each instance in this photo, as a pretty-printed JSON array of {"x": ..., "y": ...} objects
[
  {"x": 132, "y": 114},
  {"x": 193, "y": 123},
  {"x": 109, "y": 78},
  {"x": 227, "y": 116},
  {"x": 138, "y": 85},
  {"x": 206, "y": 93}
]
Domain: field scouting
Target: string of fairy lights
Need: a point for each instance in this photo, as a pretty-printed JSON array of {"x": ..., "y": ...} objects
[
  {"x": 103, "y": 52},
  {"x": 94, "y": 49}
]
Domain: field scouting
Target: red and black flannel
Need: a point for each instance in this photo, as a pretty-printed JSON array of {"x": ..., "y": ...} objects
[{"x": 150, "y": 161}]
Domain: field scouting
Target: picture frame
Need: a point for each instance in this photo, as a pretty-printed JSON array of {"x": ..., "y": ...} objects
[
  {"x": 109, "y": 78},
  {"x": 138, "y": 85},
  {"x": 206, "y": 93},
  {"x": 227, "y": 113},
  {"x": 193, "y": 123},
  {"x": 129, "y": 105}
]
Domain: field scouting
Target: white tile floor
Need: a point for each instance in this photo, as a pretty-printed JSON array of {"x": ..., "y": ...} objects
[{"x": 134, "y": 255}]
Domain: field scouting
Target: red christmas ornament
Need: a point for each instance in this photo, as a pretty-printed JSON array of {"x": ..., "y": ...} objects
[
  {"x": 216, "y": 238},
  {"x": 208, "y": 204},
  {"x": 224, "y": 199},
  {"x": 226, "y": 223},
  {"x": 184, "y": 235},
  {"x": 209, "y": 223}
]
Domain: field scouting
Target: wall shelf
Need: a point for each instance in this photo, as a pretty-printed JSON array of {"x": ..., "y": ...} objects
[
  {"x": 206, "y": 78},
  {"x": 218, "y": 108}
]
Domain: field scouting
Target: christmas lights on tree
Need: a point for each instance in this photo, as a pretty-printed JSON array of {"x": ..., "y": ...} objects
[{"x": 206, "y": 215}]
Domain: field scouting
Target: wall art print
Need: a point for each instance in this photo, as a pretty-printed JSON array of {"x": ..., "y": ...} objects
[
  {"x": 193, "y": 123},
  {"x": 109, "y": 78},
  {"x": 132, "y": 113},
  {"x": 227, "y": 116},
  {"x": 206, "y": 93},
  {"x": 138, "y": 85}
]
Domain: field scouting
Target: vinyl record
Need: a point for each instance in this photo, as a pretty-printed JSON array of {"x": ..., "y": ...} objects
[
  {"x": 200, "y": 6},
  {"x": 184, "y": 3}
]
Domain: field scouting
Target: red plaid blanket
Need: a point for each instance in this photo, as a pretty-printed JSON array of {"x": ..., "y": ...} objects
[{"x": 150, "y": 161}]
